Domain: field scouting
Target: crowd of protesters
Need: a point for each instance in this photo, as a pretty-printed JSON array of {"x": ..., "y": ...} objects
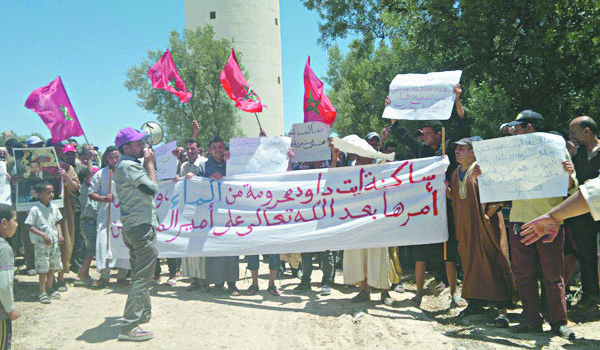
[{"x": 498, "y": 266}]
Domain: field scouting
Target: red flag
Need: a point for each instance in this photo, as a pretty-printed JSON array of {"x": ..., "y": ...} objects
[
  {"x": 237, "y": 87},
  {"x": 164, "y": 76},
  {"x": 52, "y": 104},
  {"x": 317, "y": 107}
]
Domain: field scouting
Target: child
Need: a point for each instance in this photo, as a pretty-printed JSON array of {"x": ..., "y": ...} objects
[
  {"x": 8, "y": 313},
  {"x": 45, "y": 234}
]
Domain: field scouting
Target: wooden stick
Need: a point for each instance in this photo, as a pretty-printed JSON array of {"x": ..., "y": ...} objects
[
  {"x": 443, "y": 141},
  {"x": 108, "y": 219}
]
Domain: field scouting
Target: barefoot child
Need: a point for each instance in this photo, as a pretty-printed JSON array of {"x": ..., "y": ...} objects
[
  {"x": 8, "y": 313},
  {"x": 46, "y": 234}
]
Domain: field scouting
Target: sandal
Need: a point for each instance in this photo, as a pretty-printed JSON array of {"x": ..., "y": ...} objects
[
  {"x": 136, "y": 334},
  {"x": 360, "y": 297},
  {"x": 439, "y": 289},
  {"x": 399, "y": 288},
  {"x": 501, "y": 321},
  {"x": 468, "y": 311},
  {"x": 54, "y": 294},
  {"x": 416, "y": 300},
  {"x": 44, "y": 298},
  {"x": 171, "y": 282},
  {"x": 458, "y": 301},
  {"x": 274, "y": 291},
  {"x": 234, "y": 292},
  {"x": 252, "y": 290},
  {"x": 100, "y": 283}
]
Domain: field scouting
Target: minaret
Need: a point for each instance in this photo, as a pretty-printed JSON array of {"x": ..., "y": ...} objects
[{"x": 254, "y": 27}]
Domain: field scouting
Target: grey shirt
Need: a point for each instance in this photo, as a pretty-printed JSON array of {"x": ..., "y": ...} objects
[
  {"x": 137, "y": 208},
  {"x": 44, "y": 218},
  {"x": 7, "y": 275}
]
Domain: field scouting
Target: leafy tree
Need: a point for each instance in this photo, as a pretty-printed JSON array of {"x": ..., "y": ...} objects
[
  {"x": 199, "y": 58},
  {"x": 541, "y": 55},
  {"x": 9, "y": 134}
]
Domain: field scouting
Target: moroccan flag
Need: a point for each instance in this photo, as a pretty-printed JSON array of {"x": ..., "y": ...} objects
[
  {"x": 164, "y": 76},
  {"x": 52, "y": 104},
  {"x": 237, "y": 87},
  {"x": 317, "y": 107}
]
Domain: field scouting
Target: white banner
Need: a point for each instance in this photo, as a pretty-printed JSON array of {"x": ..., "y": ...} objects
[
  {"x": 422, "y": 96},
  {"x": 166, "y": 161},
  {"x": 388, "y": 204},
  {"x": 309, "y": 141},
  {"x": 258, "y": 155},
  {"x": 521, "y": 167},
  {"x": 4, "y": 185}
]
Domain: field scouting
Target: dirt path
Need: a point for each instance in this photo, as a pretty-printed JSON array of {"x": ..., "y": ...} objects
[{"x": 88, "y": 319}]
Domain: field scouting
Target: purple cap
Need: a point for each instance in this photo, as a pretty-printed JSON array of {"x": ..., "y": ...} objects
[{"x": 128, "y": 135}]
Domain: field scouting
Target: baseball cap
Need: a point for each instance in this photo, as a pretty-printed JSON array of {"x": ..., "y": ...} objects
[
  {"x": 372, "y": 134},
  {"x": 527, "y": 116},
  {"x": 69, "y": 148},
  {"x": 468, "y": 141},
  {"x": 128, "y": 135},
  {"x": 34, "y": 140}
]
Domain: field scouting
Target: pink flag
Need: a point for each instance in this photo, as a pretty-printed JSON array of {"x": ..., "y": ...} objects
[
  {"x": 317, "y": 107},
  {"x": 237, "y": 87},
  {"x": 164, "y": 76},
  {"x": 52, "y": 104}
]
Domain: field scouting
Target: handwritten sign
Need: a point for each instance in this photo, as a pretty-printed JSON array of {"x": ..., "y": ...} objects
[
  {"x": 388, "y": 204},
  {"x": 166, "y": 162},
  {"x": 4, "y": 185},
  {"x": 35, "y": 165},
  {"x": 521, "y": 167},
  {"x": 309, "y": 141},
  {"x": 422, "y": 96},
  {"x": 258, "y": 155}
]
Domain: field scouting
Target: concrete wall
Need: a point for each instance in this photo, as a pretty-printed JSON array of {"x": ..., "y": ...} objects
[{"x": 254, "y": 27}]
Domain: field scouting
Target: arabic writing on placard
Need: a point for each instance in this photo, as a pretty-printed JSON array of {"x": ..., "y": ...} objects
[
  {"x": 379, "y": 205},
  {"x": 521, "y": 167},
  {"x": 309, "y": 141},
  {"x": 422, "y": 96},
  {"x": 258, "y": 155},
  {"x": 166, "y": 161}
]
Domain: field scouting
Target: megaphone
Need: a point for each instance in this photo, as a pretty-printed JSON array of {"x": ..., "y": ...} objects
[{"x": 154, "y": 133}]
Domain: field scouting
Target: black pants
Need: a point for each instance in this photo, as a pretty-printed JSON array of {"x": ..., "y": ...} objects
[{"x": 585, "y": 233}]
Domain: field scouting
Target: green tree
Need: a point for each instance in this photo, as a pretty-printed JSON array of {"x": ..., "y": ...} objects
[
  {"x": 199, "y": 58},
  {"x": 541, "y": 55}
]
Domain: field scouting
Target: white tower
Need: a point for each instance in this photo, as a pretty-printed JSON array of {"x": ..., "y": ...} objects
[{"x": 254, "y": 27}]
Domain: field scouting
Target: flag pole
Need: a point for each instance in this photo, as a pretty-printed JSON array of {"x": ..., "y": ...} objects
[
  {"x": 108, "y": 220},
  {"x": 443, "y": 154},
  {"x": 258, "y": 121}
]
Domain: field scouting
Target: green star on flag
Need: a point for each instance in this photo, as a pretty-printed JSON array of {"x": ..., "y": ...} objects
[
  {"x": 172, "y": 84},
  {"x": 250, "y": 95},
  {"x": 312, "y": 104},
  {"x": 65, "y": 111}
]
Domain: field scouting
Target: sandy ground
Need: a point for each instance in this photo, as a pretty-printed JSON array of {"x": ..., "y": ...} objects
[{"x": 87, "y": 318}]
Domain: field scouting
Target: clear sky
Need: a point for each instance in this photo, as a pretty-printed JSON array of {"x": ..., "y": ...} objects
[{"x": 91, "y": 44}]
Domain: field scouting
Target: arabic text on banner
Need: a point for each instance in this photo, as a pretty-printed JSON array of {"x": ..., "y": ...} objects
[
  {"x": 521, "y": 167},
  {"x": 388, "y": 204},
  {"x": 422, "y": 96}
]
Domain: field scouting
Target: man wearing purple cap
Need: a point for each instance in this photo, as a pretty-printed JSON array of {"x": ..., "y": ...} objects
[{"x": 136, "y": 184}]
